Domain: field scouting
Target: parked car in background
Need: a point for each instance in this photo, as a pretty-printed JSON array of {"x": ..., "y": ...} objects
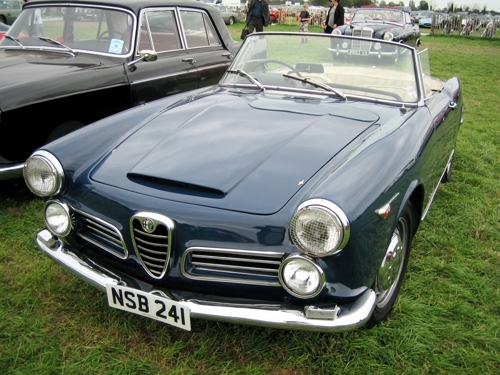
[
  {"x": 287, "y": 196},
  {"x": 379, "y": 23},
  {"x": 3, "y": 29},
  {"x": 9, "y": 10},
  {"x": 72, "y": 63},
  {"x": 228, "y": 15},
  {"x": 274, "y": 14}
]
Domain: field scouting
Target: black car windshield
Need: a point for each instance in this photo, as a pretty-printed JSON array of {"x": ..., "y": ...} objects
[
  {"x": 94, "y": 30},
  {"x": 363, "y": 15},
  {"x": 335, "y": 66}
]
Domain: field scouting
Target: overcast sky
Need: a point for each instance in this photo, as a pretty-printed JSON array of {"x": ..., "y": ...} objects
[{"x": 440, "y": 4}]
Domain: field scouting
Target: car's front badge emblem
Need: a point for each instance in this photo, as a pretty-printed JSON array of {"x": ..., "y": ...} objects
[
  {"x": 301, "y": 182},
  {"x": 148, "y": 225}
]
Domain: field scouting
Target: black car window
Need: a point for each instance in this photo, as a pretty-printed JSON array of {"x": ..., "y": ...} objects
[
  {"x": 198, "y": 29},
  {"x": 159, "y": 31}
]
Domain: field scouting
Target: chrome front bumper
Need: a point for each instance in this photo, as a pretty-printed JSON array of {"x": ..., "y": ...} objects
[
  {"x": 341, "y": 318},
  {"x": 11, "y": 171}
]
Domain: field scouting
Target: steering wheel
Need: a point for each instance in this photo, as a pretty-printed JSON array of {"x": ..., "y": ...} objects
[
  {"x": 277, "y": 62},
  {"x": 101, "y": 36}
]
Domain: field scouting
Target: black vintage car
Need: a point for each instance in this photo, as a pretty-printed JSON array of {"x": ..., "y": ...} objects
[
  {"x": 378, "y": 23},
  {"x": 66, "y": 64}
]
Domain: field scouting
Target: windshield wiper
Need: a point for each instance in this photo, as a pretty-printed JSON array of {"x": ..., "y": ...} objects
[
  {"x": 250, "y": 78},
  {"x": 14, "y": 39},
  {"x": 319, "y": 84},
  {"x": 52, "y": 41}
]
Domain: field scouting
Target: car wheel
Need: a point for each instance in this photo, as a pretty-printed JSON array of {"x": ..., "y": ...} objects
[
  {"x": 3, "y": 20},
  {"x": 64, "y": 128},
  {"x": 231, "y": 21},
  {"x": 447, "y": 173},
  {"x": 391, "y": 273}
]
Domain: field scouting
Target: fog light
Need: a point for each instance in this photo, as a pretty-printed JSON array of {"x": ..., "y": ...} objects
[
  {"x": 58, "y": 218},
  {"x": 301, "y": 277}
]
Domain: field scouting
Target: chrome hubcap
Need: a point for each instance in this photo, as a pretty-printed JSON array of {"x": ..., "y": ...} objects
[{"x": 392, "y": 265}]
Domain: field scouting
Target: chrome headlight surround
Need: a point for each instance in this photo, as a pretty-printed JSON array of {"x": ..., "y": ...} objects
[
  {"x": 336, "y": 32},
  {"x": 58, "y": 218},
  {"x": 319, "y": 228},
  {"x": 301, "y": 276},
  {"x": 388, "y": 36},
  {"x": 43, "y": 174}
]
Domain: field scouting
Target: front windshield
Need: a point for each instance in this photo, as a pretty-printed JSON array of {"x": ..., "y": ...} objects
[
  {"x": 94, "y": 30},
  {"x": 363, "y": 15},
  {"x": 326, "y": 65}
]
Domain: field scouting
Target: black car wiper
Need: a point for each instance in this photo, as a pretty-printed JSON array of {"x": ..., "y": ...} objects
[
  {"x": 250, "y": 78},
  {"x": 14, "y": 39},
  {"x": 319, "y": 84},
  {"x": 52, "y": 41}
]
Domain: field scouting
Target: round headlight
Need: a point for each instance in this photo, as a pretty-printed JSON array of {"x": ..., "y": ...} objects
[
  {"x": 388, "y": 36},
  {"x": 319, "y": 228},
  {"x": 58, "y": 218},
  {"x": 43, "y": 174},
  {"x": 301, "y": 277},
  {"x": 336, "y": 32}
]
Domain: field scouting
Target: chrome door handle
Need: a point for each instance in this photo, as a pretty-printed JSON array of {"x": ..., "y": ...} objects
[{"x": 189, "y": 60}]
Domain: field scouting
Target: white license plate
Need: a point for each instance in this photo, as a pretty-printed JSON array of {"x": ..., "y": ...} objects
[
  {"x": 149, "y": 305},
  {"x": 357, "y": 52}
]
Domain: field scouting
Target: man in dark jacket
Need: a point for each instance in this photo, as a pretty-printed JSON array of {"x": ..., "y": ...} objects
[
  {"x": 334, "y": 17},
  {"x": 257, "y": 15}
]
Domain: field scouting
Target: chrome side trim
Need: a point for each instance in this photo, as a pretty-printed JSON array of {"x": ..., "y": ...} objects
[
  {"x": 351, "y": 316},
  {"x": 433, "y": 194},
  {"x": 11, "y": 171}
]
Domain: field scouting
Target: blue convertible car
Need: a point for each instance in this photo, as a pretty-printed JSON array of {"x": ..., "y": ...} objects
[{"x": 286, "y": 196}]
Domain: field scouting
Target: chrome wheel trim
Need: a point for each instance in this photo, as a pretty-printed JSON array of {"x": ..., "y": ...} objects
[{"x": 389, "y": 275}]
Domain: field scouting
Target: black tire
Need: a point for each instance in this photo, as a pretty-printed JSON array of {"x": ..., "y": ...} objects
[
  {"x": 231, "y": 21},
  {"x": 64, "y": 128},
  {"x": 3, "y": 20},
  {"x": 391, "y": 273}
]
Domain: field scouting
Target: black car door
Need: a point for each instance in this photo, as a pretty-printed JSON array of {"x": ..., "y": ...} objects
[
  {"x": 204, "y": 46},
  {"x": 174, "y": 72}
]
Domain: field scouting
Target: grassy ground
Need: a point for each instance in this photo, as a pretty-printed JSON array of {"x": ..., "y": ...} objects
[{"x": 446, "y": 321}]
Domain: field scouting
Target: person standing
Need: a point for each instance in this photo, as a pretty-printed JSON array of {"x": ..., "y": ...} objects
[
  {"x": 334, "y": 17},
  {"x": 257, "y": 15},
  {"x": 304, "y": 19}
]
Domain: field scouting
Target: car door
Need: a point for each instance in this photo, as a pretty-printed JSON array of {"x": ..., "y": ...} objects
[
  {"x": 173, "y": 72},
  {"x": 204, "y": 46}
]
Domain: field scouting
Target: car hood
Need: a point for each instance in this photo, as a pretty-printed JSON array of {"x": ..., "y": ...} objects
[
  {"x": 248, "y": 153},
  {"x": 28, "y": 77}
]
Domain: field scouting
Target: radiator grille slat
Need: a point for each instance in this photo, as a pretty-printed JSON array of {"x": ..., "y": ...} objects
[
  {"x": 230, "y": 265},
  {"x": 101, "y": 234},
  {"x": 151, "y": 236}
]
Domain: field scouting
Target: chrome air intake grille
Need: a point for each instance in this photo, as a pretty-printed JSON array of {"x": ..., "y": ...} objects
[
  {"x": 362, "y": 45},
  {"x": 152, "y": 239},
  {"x": 101, "y": 234},
  {"x": 231, "y": 265}
]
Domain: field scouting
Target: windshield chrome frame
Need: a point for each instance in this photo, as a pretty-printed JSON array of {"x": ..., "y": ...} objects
[
  {"x": 78, "y": 5},
  {"x": 416, "y": 61}
]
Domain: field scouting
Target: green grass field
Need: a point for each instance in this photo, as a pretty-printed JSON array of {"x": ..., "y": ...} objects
[{"x": 446, "y": 321}]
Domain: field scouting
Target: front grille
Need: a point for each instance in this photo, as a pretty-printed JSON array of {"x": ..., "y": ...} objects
[
  {"x": 231, "y": 265},
  {"x": 101, "y": 234},
  {"x": 362, "y": 45},
  {"x": 152, "y": 239}
]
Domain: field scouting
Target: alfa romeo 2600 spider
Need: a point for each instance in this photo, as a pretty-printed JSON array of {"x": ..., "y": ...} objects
[{"x": 285, "y": 196}]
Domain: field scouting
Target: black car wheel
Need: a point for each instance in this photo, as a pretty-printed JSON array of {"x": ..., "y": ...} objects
[
  {"x": 231, "y": 20},
  {"x": 3, "y": 20},
  {"x": 391, "y": 273}
]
